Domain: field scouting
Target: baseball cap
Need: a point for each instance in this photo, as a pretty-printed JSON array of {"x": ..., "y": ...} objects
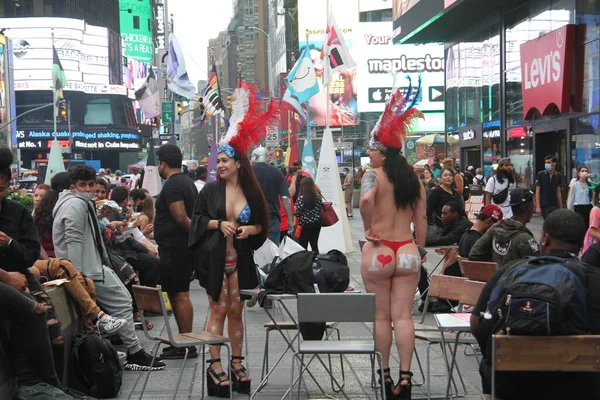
[
  {"x": 492, "y": 211},
  {"x": 519, "y": 196},
  {"x": 101, "y": 171},
  {"x": 470, "y": 168},
  {"x": 504, "y": 160}
]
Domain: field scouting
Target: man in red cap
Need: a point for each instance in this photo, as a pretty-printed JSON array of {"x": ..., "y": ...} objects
[{"x": 488, "y": 216}]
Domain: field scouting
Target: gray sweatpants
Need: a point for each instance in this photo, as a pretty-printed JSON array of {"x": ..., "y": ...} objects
[{"x": 114, "y": 299}]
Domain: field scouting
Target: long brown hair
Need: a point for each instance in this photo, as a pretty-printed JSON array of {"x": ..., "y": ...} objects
[
  {"x": 148, "y": 209},
  {"x": 308, "y": 191},
  {"x": 254, "y": 195}
]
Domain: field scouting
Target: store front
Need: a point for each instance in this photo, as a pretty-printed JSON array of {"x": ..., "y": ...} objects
[
  {"x": 528, "y": 72},
  {"x": 470, "y": 141}
]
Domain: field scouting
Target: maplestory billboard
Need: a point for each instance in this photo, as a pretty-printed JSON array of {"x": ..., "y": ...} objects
[{"x": 382, "y": 66}]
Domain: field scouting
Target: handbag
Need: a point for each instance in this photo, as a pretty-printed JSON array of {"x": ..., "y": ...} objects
[
  {"x": 328, "y": 215},
  {"x": 298, "y": 231}
]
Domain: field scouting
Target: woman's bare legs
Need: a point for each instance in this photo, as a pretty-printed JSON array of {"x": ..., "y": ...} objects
[
  {"x": 216, "y": 323},
  {"x": 377, "y": 268},
  {"x": 404, "y": 286},
  {"x": 235, "y": 324}
]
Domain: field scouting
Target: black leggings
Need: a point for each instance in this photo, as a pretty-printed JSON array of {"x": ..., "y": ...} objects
[
  {"x": 310, "y": 234},
  {"x": 584, "y": 212}
]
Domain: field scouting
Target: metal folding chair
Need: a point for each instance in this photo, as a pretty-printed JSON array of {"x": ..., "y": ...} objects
[
  {"x": 151, "y": 300},
  {"x": 335, "y": 307}
]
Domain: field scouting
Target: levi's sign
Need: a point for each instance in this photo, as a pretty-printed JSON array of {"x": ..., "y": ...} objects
[{"x": 546, "y": 66}]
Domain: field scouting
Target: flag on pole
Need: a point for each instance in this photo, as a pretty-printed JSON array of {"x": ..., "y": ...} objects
[
  {"x": 290, "y": 100},
  {"x": 59, "y": 79},
  {"x": 148, "y": 96},
  {"x": 177, "y": 77},
  {"x": 211, "y": 96},
  {"x": 301, "y": 82},
  {"x": 334, "y": 53}
]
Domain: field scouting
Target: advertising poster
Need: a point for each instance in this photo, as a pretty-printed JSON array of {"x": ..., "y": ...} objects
[
  {"x": 382, "y": 66},
  {"x": 342, "y": 101},
  {"x": 136, "y": 29},
  {"x": 400, "y": 7}
]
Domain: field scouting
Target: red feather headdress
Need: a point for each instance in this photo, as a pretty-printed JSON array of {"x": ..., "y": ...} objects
[
  {"x": 248, "y": 123},
  {"x": 393, "y": 125}
]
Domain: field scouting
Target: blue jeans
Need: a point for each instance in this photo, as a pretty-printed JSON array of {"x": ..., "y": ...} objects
[{"x": 274, "y": 230}]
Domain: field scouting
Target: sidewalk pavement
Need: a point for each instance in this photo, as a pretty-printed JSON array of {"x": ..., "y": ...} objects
[{"x": 357, "y": 368}]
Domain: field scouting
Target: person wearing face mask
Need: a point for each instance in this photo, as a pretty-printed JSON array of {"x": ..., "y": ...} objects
[
  {"x": 580, "y": 196},
  {"x": 498, "y": 186},
  {"x": 76, "y": 236},
  {"x": 548, "y": 196}
]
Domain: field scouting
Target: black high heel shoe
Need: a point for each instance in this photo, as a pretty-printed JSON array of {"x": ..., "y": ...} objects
[
  {"x": 389, "y": 383},
  {"x": 237, "y": 374},
  {"x": 405, "y": 390},
  {"x": 217, "y": 388}
]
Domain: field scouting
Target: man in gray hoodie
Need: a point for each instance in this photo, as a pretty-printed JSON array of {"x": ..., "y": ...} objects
[
  {"x": 509, "y": 239},
  {"x": 77, "y": 237}
]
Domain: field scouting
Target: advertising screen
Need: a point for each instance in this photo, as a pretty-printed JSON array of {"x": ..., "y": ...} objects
[
  {"x": 82, "y": 49},
  {"x": 42, "y": 140},
  {"x": 400, "y": 7},
  {"x": 372, "y": 5},
  {"x": 382, "y": 66},
  {"x": 136, "y": 29},
  {"x": 312, "y": 22}
]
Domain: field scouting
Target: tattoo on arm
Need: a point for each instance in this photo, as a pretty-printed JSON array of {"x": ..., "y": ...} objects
[{"x": 369, "y": 180}]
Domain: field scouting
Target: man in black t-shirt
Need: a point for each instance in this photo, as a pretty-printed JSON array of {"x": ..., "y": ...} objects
[
  {"x": 548, "y": 196},
  {"x": 273, "y": 187},
  {"x": 562, "y": 236},
  {"x": 172, "y": 223}
]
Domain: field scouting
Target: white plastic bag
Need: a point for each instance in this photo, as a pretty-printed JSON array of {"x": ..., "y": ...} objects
[
  {"x": 266, "y": 253},
  {"x": 288, "y": 247}
]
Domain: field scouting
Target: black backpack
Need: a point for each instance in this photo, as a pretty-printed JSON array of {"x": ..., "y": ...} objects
[
  {"x": 538, "y": 296},
  {"x": 95, "y": 367},
  {"x": 293, "y": 274},
  {"x": 332, "y": 272}
]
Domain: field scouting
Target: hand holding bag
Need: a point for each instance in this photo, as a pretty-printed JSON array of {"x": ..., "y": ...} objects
[{"x": 328, "y": 215}]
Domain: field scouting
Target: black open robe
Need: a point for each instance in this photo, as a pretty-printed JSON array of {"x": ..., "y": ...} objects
[{"x": 209, "y": 244}]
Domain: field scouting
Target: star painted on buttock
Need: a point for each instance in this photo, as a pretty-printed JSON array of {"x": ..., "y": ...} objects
[
  {"x": 238, "y": 334},
  {"x": 213, "y": 328}
]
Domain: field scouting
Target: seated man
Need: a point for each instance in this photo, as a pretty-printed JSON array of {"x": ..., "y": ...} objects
[
  {"x": 487, "y": 217},
  {"x": 29, "y": 339},
  {"x": 509, "y": 239},
  {"x": 455, "y": 224},
  {"x": 562, "y": 236}
]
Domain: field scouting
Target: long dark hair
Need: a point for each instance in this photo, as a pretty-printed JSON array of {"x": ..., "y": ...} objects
[
  {"x": 254, "y": 195},
  {"x": 43, "y": 218},
  {"x": 309, "y": 192},
  {"x": 407, "y": 186}
]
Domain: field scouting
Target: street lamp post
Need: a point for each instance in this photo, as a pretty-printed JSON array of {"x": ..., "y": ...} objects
[{"x": 268, "y": 58}]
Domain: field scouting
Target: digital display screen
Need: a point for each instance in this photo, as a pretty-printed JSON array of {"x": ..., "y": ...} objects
[{"x": 42, "y": 140}]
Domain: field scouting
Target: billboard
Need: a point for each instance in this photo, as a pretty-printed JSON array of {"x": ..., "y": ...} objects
[
  {"x": 135, "y": 17},
  {"x": 400, "y": 7},
  {"x": 381, "y": 66},
  {"x": 373, "y": 5},
  {"x": 312, "y": 22},
  {"x": 82, "y": 48},
  {"x": 41, "y": 140}
]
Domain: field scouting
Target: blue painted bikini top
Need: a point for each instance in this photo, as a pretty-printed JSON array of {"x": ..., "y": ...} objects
[{"x": 245, "y": 215}]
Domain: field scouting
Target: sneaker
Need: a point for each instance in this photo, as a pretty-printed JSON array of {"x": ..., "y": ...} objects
[
  {"x": 107, "y": 323},
  {"x": 142, "y": 361},
  {"x": 122, "y": 357},
  {"x": 174, "y": 353},
  {"x": 251, "y": 303}
]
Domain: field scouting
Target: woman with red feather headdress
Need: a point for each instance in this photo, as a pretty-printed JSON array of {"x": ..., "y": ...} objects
[
  {"x": 391, "y": 198},
  {"x": 230, "y": 221}
]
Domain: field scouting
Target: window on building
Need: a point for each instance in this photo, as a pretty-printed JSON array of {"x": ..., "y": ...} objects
[
  {"x": 136, "y": 22},
  {"x": 98, "y": 112}
]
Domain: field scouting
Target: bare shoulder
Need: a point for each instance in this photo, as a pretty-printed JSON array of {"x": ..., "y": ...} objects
[{"x": 369, "y": 181}]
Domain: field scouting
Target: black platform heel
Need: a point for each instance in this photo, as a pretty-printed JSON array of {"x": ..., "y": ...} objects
[
  {"x": 405, "y": 390},
  {"x": 237, "y": 374},
  {"x": 389, "y": 382},
  {"x": 213, "y": 388}
]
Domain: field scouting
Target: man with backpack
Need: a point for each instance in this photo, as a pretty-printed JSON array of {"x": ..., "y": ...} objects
[
  {"x": 498, "y": 186},
  {"x": 509, "y": 239},
  {"x": 513, "y": 301}
]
